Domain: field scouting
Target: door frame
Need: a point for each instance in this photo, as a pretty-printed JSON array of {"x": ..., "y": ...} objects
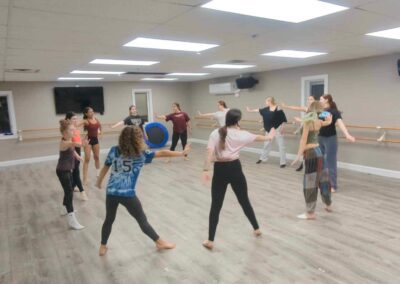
[
  {"x": 305, "y": 86},
  {"x": 149, "y": 101},
  {"x": 11, "y": 112}
]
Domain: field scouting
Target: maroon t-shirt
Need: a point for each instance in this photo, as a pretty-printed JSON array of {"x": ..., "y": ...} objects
[{"x": 179, "y": 121}]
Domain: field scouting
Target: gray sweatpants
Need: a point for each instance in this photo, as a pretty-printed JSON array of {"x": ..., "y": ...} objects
[{"x": 281, "y": 146}]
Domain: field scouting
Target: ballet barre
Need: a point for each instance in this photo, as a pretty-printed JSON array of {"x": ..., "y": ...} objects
[
  {"x": 294, "y": 129},
  {"x": 54, "y": 132}
]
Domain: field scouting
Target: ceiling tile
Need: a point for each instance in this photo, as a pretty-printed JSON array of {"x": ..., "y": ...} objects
[
  {"x": 129, "y": 10},
  {"x": 384, "y": 7}
]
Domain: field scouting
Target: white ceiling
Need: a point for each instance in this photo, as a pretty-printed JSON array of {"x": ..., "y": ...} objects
[{"x": 58, "y": 36}]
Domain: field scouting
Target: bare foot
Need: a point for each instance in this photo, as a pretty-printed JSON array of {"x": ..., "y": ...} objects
[
  {"x": 328, "y": 208},
  {"x": 333, "y": 190},
  {"x": 307, "y": 216},
  {"x": 186, "y": 158},
  {"x": 208, "y": 244},
  {"x": 161, "y": 244},
  {"x": 103, "y": 250},
  {"x": 257, "y": 233}
]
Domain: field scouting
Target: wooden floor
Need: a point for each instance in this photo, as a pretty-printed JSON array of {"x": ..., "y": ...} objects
[{"x": 358, "y": 243}]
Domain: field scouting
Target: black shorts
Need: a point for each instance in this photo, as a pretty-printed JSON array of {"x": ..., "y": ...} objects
[{"x": 93, "y": 141}]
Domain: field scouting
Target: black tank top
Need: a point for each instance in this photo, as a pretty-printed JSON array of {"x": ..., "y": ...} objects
[{"x": 66, "y": 161}]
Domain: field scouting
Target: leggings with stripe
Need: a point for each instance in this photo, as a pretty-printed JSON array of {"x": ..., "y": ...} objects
[
  {"x": 76, "y": 176},
  {"x": 228, "y": 173},
  {"x": 134, "y": 207},
  {"x": 315, "y": 176}
]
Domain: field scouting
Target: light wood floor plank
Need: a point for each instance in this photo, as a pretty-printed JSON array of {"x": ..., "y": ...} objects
[{"x": 358, "y": 243}]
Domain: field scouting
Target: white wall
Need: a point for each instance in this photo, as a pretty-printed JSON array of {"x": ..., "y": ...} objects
[
  {"x": 35, "y": 108},
  {"x": 367, "y": 91}
]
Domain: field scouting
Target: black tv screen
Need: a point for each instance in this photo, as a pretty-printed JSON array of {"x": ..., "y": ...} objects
[{"x": 77, "y": 98}]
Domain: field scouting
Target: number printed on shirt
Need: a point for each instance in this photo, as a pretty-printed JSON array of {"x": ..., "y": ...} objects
[{"x": 126, "y": 166}]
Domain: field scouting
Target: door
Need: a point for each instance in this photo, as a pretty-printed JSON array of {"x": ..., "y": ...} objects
[
  {"x": 8, "y": 127},
  {"x": 142, "y": 99},
  {"x": 314, "y": 86}
]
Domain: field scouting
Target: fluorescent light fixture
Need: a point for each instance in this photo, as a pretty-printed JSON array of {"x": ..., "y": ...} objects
[
  {"x": 159, "y": 79},
  {"x": 97, "y": 72},
  {"x": 79, "y": 79},
  {"x": 169, "y": 44},
  {"x": 294, "y": 53},
  {"x": 294, "y": 11},
  {"x": 392, "y": 33},
  {"x": 187, "y": 74},
  {"x": 123, "y": 62},
  {"x": 229, "y": 66}
]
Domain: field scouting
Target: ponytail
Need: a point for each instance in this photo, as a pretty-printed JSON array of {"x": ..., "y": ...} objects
[
  {"x": 331, "y": 103},
  {"x": 223, "y": 132},
  {"x": 233, "y": 116}
]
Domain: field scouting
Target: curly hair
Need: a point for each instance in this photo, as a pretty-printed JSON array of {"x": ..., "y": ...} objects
[
  {"x": 64, "y": 124},
  {"x": 131, "y": 141}
]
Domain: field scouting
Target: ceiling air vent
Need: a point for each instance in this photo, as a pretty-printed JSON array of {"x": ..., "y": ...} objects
[
  {"x": 22, "y": 70},
  {"x": 146, "y": 73},
  {"x": 236, "y": 61}
]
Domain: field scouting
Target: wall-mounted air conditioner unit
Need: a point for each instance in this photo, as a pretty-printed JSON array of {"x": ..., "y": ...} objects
[{"x": 222, "y": 89}]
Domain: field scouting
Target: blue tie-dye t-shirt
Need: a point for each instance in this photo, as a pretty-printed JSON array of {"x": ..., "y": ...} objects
[{"x": 125, "y": 171}]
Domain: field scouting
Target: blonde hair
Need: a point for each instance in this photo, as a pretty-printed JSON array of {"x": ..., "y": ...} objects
[
  {"x": 315, "y": 107},
  {"x": 64, "y": 125},
  {"x": 272, "y": 100},
  {"x": 131, "y": 141}
]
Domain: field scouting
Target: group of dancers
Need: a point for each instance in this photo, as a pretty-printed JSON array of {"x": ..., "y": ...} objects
[{"x": 318, "y": 148}]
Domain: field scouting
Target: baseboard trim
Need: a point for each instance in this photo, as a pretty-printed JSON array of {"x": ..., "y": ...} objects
[{"x": 341, "y": 165}]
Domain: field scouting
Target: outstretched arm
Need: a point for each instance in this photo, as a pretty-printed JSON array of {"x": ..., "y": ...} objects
[
  {"x": 299, "y": 108},
  {"x": 344, "y": 130},
  {"x": 248, "y": 109},
  {"x": 161, "y": 117},
  {"x": 120, "y": 123},
  {"x": 210, "y": 114},
  {"x": 172, "y": 154},
  {"x": 270, "y": 136}
]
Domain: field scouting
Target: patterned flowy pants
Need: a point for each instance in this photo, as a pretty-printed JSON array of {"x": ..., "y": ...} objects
[{"x": 315, "y": 176}]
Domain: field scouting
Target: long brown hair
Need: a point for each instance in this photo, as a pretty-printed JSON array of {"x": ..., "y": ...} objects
[
  {"x": 331, "y": 103},
  {"x": 222, "y": 103},
  {"x": 177, "y": 105},
  {"x": 131, "y": 141},
  {"x": 233, "y": 116}
]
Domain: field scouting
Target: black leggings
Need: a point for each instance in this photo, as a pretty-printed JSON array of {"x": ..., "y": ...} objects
[
  {"x": 175, "y": 139},
  {"x": 228, "y": 173},
  {"x": 65, "y": 178},
  {"x": 134, "y": 208},
  {"x": 76, "y": 175}
]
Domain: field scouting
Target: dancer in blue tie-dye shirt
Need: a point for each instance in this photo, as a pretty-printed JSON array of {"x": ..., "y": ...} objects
[{"x": 126, "y": 160}]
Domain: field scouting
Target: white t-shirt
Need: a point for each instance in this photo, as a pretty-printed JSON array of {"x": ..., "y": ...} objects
[
  {"x": 220, "y": 116},
  {"x": 235, "y": 140}
]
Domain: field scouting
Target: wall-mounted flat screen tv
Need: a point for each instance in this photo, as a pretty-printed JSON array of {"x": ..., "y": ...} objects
[{"x": 77, "y": 98}]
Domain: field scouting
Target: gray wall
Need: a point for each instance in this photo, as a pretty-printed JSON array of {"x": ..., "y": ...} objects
[
  {"x": 367, "y": 91},
  {"x": 34, "y": 101}
]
